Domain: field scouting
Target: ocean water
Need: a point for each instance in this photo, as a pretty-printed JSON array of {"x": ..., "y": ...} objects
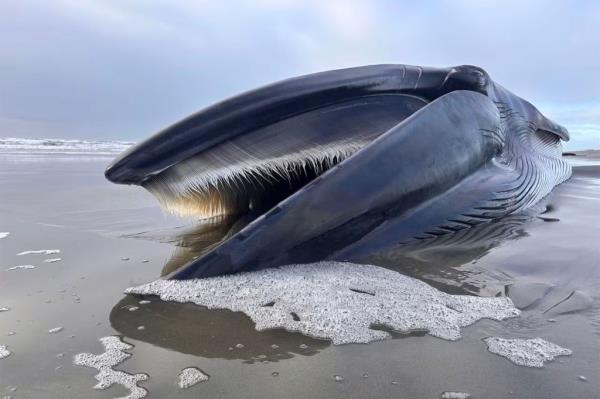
[
  {"x": 12, "y": 145},
  {"x": 112, "y": 237}
]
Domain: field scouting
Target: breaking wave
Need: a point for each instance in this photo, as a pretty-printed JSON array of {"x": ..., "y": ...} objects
[{"x": 11, "y": 145}]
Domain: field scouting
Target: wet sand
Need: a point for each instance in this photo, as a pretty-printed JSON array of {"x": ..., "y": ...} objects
[{"x": 112, "y": 237}]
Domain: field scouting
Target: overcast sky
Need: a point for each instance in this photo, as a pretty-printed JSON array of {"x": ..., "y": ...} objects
[{"x": 125, "y": 69}]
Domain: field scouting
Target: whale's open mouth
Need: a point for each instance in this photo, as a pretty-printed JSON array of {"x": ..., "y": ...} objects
[
  {"x": 242, "y": 176},
  {"x": 250, "y": 152},
  {"x": 256, "y": 170}
]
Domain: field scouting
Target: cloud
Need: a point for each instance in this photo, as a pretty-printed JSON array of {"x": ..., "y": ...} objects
[{"x": 114, "y": 69}]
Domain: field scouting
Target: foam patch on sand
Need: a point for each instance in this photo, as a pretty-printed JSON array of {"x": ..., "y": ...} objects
[
  {"x": 113, "y": 355},
  {"x": 455, "y": 395},
  {"x": 26, "y": 267},
  {"x": 336, "y": 301},
  {"x": 40, "y": 252},
  {"x": 4, "y": 234},
  {"x": 526, "y": 352},
  {"x": 191, "y": 376},
  {"x": 4, "y": 352}
]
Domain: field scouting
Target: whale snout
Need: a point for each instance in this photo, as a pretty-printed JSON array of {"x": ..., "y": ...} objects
[{"x": 123, "y": 171}]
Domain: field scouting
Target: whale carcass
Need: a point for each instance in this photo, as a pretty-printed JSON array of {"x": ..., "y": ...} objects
[{"x": 338, "y": 164}]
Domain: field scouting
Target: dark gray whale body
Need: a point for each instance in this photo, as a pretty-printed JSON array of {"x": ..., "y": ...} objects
[{"x": 341, "y": 164}]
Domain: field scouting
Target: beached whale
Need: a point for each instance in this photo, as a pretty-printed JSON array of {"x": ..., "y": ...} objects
[{"x": 337, "y": 164}]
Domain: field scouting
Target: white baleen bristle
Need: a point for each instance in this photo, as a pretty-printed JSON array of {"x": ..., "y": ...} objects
[{"x": 211, "y": 185}]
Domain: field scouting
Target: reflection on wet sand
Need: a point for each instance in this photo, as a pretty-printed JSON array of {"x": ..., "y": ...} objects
[
  {"x": 431, "y": 258},
  {"x": 192, "y": 241},
  {"x": 439, "y": 261},
  {"x": 195, "y": 330}
]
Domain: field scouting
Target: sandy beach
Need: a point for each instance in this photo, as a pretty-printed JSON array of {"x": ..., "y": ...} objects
[{"x": 113, "y": 237}]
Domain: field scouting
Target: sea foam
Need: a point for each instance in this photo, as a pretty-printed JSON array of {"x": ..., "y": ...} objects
[
  {"x": 40, "y": 252},
  {"x": 526, "y": 352},
  {"x": 191, "y": 376},
  {"x": 455, "y": 395},
  {"x": 336, "y": 301},
  {"x": 113, "y": 355},
  {"x": 4, "y": 352},
  {"x": 18, "y": 267}
]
